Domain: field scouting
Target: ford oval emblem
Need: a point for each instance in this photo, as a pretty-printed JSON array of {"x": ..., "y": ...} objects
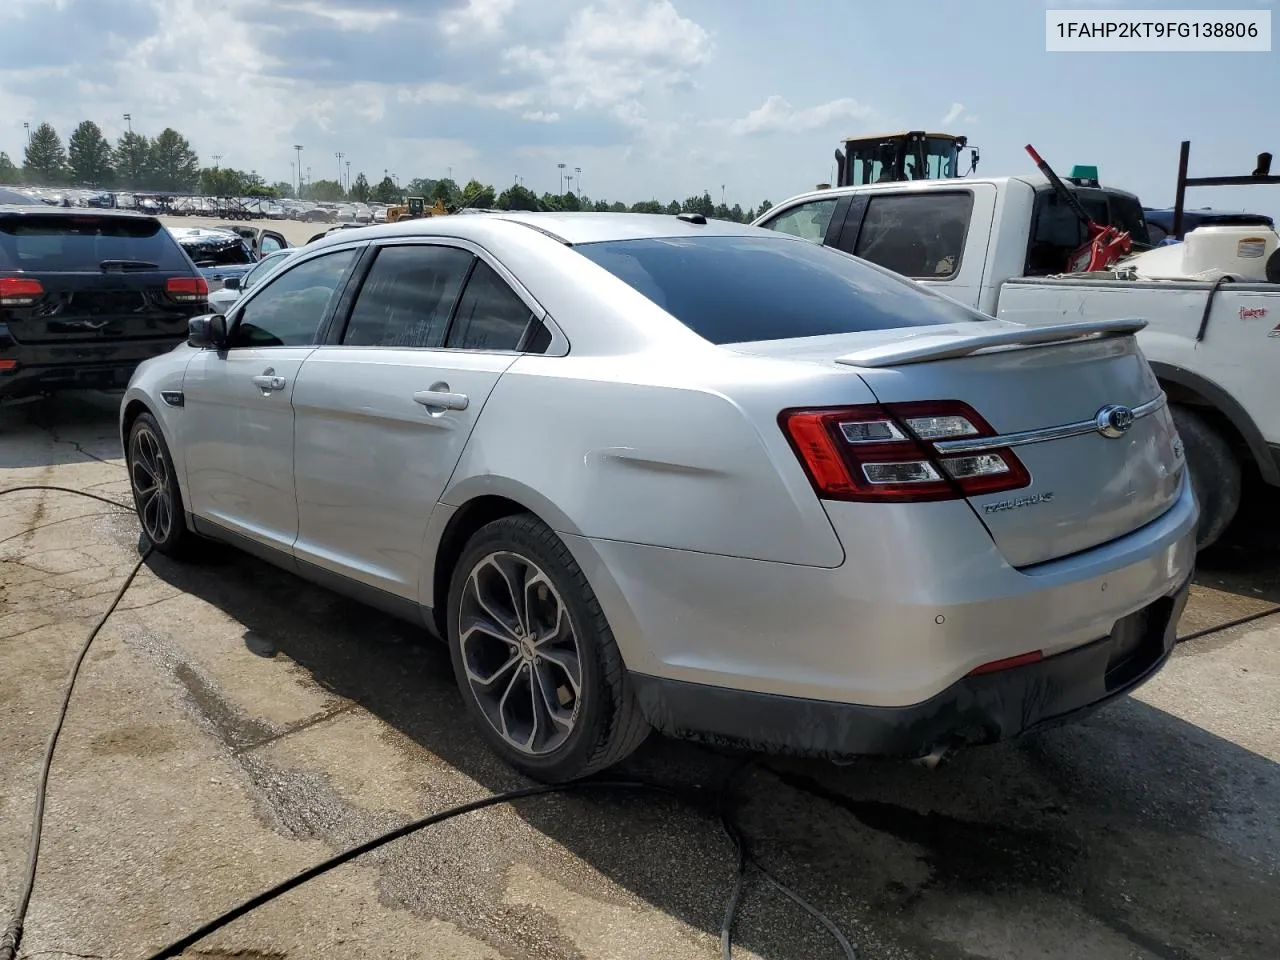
[{"x": 1114, "y": 420}]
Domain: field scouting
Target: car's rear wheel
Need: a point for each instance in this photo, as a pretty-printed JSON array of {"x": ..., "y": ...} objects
[
  {"x": 156, "y": 496},
  {"x": 534, "y": 656},
  {"x": 1215, "y": 474}
]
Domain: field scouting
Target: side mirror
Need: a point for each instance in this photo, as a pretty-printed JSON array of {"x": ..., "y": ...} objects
[
  {"x": 231, "y": 283},
  {"x": 208, "y": 330}
]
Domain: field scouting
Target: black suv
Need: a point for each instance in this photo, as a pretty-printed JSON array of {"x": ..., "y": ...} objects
[{"x": 85, "y": 296}]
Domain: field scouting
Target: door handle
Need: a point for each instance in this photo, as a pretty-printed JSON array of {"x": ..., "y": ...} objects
[
  {"x": 267, "y": 383},
  {"x": 441, "y": 399}
]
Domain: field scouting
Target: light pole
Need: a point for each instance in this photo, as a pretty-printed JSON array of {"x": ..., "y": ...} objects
[
  {"x": 217, "y": 157},
  {"x": 722, "y": 194},
  {"x": 27, "y": 127},
  {"x": 298, "y": 186},
  {"x": 578, "y": 172},
  {"x": 561, "y": 166},
  {"x": 348, "y": 176},
  {"x": 292, "y": 170},
  {"x": 338, "y": 156},
  {"x": 568, "y": 183},
  {"x": 128, "y": 118}
]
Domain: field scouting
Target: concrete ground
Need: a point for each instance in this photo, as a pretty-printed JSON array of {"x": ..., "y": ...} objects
[{"x": 233, "y": 725}]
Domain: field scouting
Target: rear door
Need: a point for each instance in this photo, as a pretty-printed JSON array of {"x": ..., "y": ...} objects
[
  {"x": 103, "y": 278},
  {"x": 384, "y": 411}
]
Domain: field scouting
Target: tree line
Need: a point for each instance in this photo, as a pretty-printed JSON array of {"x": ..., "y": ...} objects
[{"x": 167, "y": 162}]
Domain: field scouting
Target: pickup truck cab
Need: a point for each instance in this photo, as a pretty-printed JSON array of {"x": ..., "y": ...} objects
[{"x": 1000, "y": 244}]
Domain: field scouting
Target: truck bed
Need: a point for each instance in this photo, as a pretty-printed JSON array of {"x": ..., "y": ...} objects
[{"x": 1235, "y": 346}]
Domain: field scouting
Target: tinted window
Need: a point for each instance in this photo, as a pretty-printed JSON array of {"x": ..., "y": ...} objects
[
  {"x": 71, "y": 242},
  {"x": 1058, "y": 231},
  {"x": 490, "y": 315},
  {"x": 737, "y": 289},
  {"x": 407, "y": 297},
  {"x": 917, "y": 235},
  {"x": 808, "y": 221},
  {"x": 1126, "y": 213},
  {"x": 287, "y": 310}
]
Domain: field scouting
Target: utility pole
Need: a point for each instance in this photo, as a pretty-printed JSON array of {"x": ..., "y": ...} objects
[
  {"x": 298, "y": 186},
  {"x": 561, "y": 166}
]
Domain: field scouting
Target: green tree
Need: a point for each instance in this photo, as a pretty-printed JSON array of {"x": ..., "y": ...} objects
[
  {"x": 386, "y": 191},
  {"x": 360, "y": 189},
  {"x": 9, "y": 172},
  {"x": 46, "y": 160},
  {"x": 736, "y": 214},
  {"x": 765, "y": 207},
  {"x": 223, "y": 182},
  {"x": 702, "y": 205},
  {"x": 446, "y": 191},
  {"x": 673, "y": 207},
  {"x": 477, "y": 194},
  {"x": 173, "y": 164},
  {"x": 517, "y": 197},
  {"x": 326, "y": 190},
  {"x": 419, "y": 187},
  {"x": 570, "y": 202},
  {"x": 648, "y": 206},
  {"x": 90, "y": 156},
  {"x": 282, "y": 189},
  {"x": 133, "y": 161}
]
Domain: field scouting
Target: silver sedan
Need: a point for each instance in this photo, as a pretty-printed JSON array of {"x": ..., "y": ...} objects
[{"x": 665, "y": 472}]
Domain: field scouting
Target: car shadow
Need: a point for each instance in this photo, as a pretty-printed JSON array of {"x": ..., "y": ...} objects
[
  {"x": 1246, "y": 560},
  {"x": 1151, "y": 832}
]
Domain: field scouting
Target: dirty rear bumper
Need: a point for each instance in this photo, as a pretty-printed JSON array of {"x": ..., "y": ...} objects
[{"x": 975, "y": 710}]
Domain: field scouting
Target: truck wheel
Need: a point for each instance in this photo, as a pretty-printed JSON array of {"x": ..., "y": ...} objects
[
  {"x": 535, "y": 659},
  {"x": 1215, "y": 474}
]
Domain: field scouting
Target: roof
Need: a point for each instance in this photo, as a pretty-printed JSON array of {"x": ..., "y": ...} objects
[
  {"x": 900, "y": 133},
  {"x": 18, "y": 199},
  {"x": 568, "y": 228},
  {"x": 48, "y": 210}
]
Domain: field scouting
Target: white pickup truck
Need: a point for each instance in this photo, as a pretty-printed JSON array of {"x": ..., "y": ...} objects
[{"x": 1000, "y": 244}]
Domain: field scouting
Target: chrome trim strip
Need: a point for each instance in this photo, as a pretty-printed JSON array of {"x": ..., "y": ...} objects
[{"x": 1042, "y": 435}]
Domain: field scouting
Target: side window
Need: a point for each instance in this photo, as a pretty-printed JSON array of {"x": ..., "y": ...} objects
[
  {"x": 406, "y": 299},
  {"x": 270, "y": 245},
  {"x": 287, "y": 310},
  {"x": 808, "y": 221},
  {"x": 920, "y": 236},
  {"x": 490, "y": 316}
]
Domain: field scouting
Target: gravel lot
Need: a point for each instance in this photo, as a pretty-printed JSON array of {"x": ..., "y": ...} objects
[{"x": 233, "y": 725}]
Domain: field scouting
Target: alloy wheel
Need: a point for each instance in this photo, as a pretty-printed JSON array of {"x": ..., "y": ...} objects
[
  {"x": 150, "y": 478},
  {"x": 520, "y": 652}
]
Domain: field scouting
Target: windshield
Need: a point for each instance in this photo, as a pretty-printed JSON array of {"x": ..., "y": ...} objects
[
  {"x": 744, "y": 288},
  {"x": 81, "y": 242}
]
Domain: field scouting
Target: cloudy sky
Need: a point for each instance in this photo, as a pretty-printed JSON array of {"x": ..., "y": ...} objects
[{"x": 651, "y": 98}]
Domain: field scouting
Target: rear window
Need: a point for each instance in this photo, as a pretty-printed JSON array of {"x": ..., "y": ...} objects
[
  {"x": 742, "y": 289},
  {"x": 82, "y": 242},
  {"x": 217, "y": 251}
]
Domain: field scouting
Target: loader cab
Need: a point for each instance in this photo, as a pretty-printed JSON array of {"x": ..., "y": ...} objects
[{"x": 910, "y": 155}]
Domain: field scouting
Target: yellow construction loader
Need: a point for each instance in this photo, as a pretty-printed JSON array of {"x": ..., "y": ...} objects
[{"x": 415, "y": 208}]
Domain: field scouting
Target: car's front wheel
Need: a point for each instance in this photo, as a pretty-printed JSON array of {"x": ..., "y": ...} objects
[
  {"x": 156, "y": 496},
  {"x": 534, "y": 655}
]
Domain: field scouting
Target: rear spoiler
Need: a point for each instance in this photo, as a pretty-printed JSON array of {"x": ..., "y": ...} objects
[{"x": 943, "y": 347}]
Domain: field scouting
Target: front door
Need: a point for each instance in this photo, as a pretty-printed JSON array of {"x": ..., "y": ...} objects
[
  {"x": 384, "y": 413},
  {"x": 238, "y": 413}
]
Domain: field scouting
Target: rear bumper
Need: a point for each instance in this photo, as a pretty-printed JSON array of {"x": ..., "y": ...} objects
[
  {"x": 86, "y": 365},
  {"x": 974, "y": 710}
]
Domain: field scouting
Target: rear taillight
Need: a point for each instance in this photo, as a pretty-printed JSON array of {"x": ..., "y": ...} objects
[
  {"x": 888, "y": 453},
  {"x": 19, "y": 291},
  {"x": 187, "y": 289}
]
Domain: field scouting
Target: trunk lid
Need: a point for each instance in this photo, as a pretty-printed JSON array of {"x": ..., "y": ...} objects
[{"x": 1045, "y": 399}]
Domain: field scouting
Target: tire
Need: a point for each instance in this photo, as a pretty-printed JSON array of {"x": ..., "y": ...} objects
[
  {"x": 147, "y": 459},
  {"x": 1215, "y": 474},
  {"x": 603, "y": 724}
]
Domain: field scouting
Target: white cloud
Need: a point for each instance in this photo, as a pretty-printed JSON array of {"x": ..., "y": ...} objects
[
  {"x": 613, "y": 53},
  {"x": 777, "y": 115},
  {"x": 953, "y": 114},
  {"x": 345, "y": 18},
  {"x": 478, "y": 17},
  {"x": 540, "y": 116}
]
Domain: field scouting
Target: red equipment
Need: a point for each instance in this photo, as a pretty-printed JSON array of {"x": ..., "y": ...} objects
[{"x": 1103, "y": 245}]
